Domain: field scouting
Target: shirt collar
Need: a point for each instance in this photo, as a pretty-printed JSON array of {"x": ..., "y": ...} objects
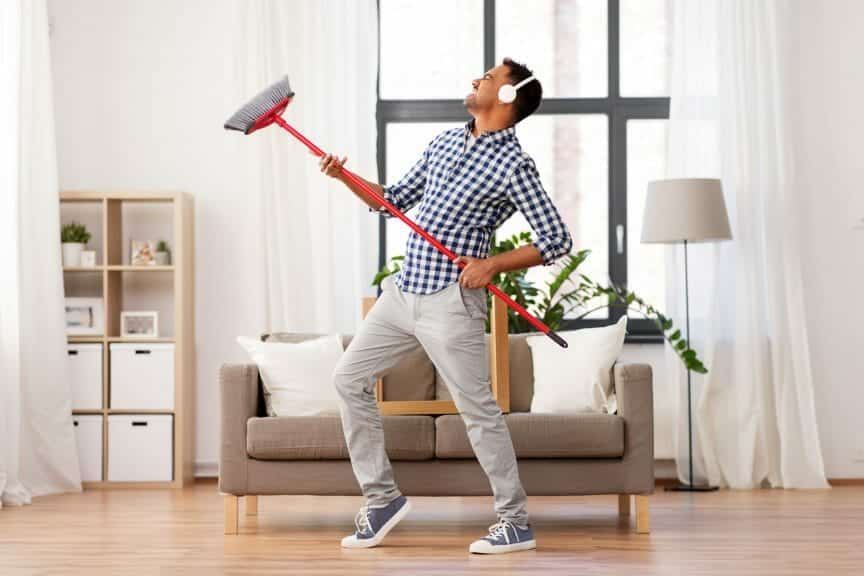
[{"x": 493, "y": 135}]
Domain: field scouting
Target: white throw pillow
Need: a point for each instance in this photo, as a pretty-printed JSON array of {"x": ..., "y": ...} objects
[
  {"x": 297, "y": 376},
  {"x": 576, "y": 378}
]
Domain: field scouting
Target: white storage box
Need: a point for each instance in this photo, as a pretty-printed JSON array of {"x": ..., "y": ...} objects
[
  {"x": 142, "y": 376},
  {"x": 85, "y": 374},
  {"x": 88, "y": 435},
  {"x": 140, "y": 447}
]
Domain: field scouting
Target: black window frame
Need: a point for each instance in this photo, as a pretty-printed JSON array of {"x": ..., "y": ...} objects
[{"x": 618, "y": 110}]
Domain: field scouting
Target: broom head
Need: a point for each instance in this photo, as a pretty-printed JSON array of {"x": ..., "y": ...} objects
[{"x": 261, "y": 110}]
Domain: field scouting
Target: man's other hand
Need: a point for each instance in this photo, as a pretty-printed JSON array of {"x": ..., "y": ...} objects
[
  {"x": 331, "y": 165},
  {"x": 477, "y": 271}
]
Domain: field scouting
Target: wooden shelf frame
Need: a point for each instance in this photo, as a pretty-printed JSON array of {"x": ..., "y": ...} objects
[{"x": 183, "y": 289}]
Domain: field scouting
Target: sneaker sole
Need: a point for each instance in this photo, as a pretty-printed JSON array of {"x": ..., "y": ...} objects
[
  {"x": 485, "y": 548},
  {"x": 385, "y": 529}
]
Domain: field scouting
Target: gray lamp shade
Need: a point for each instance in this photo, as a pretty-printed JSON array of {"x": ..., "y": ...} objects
[{"x": 690, "y": 209}]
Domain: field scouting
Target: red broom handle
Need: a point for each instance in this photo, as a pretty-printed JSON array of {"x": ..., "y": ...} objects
[{"x": 440, "y": 247}]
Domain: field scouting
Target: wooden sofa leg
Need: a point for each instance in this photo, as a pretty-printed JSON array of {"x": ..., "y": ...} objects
[
  {"x": 251, "y": 505},
  {"x": 231, "y": 519},
  {"x": 643, "y": 516},
  {"x": 624, "y": 505}
]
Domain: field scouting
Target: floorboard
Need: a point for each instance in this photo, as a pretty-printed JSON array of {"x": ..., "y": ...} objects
[{"x": 131, "y": 531}]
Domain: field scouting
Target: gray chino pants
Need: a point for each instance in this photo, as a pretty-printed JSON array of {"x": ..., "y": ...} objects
[{"x": 449, "y": 325}]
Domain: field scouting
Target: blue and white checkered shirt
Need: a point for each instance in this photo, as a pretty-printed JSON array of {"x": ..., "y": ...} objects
[{"x": 464, "y": 197}]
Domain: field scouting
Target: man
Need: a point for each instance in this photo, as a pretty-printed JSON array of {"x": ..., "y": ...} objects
[{"x": 469, "y": 180}]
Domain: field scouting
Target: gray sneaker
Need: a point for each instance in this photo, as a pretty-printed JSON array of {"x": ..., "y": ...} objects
[
  {"x": 373, "y": 524},
  {"x": 504, "y": 537}
]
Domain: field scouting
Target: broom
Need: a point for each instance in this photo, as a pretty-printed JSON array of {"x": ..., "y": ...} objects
[{"x": 267, "y": 108}]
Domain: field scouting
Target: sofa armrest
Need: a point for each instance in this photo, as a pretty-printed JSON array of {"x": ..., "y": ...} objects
[
  {"x": 634, "y": 393},
  {"x": 238, "y": 389}
]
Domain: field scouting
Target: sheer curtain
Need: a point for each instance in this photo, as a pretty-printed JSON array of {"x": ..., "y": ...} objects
[
  {"x": 754, "y": 416},
  {"x": 37, "y": 443},
  {"x": 316, "y": 250}
]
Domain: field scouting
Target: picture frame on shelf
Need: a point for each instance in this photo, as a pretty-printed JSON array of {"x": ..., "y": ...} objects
[
  {"x": 139, "y": 324},
  {"x": 142, "y": 253},
  {"x": 84, "y": 316}
]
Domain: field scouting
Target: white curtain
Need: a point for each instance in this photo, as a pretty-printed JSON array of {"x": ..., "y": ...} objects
[
  {"x": 37, "y": 443},
  {"x": 754, "y": 418},
  {"x": 316, "y": 249}
]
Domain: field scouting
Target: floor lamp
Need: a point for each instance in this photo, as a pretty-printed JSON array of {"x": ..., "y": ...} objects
[{"x": 680, "y": 211}]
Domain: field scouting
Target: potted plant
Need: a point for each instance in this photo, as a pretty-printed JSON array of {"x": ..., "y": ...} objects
[
  {"x": 552, "y": 304},
  {"x": 163, "y": 253},
  {"x": 74, "y": 236}
]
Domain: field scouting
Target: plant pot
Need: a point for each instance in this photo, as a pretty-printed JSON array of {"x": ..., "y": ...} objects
[
  {"x": 72, "y": 254},
  {"x": 163, "y": 258}
]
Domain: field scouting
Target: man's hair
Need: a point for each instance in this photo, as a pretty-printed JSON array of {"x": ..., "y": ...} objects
[{"x": 528, "y": 96}]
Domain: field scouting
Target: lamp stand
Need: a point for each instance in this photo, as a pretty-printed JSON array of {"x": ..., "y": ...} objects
[{"x": 678, "y": 486}]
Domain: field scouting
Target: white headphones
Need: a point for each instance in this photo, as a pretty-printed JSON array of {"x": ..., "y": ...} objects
[{"x": 507, "y": 92}]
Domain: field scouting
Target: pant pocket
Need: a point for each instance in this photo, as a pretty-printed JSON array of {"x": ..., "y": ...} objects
[{"x": 473, "y": 301}]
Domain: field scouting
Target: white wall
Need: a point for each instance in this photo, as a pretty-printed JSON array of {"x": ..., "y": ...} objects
[
  {"x": 142, "y": 89},
  {"x": 830, "y": 90}
]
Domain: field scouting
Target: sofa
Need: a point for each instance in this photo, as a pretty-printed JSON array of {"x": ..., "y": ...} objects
[{"x": 572, "y": 454}]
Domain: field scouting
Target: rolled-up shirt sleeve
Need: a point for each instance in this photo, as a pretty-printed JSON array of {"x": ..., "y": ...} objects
[
  {"x": 550, "y": 234},
  {"x": 407, "y": 191}
]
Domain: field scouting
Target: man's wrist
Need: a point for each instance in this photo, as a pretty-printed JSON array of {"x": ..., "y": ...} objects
[{"x": 494, "y": 264}]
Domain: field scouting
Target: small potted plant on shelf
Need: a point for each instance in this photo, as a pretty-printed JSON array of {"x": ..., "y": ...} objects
[
  {"x": 74, "y": 237},
  {"x": 163, "y": 254}
]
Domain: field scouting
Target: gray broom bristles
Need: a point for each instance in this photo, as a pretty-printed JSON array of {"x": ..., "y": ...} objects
[{"x": 268, "y": 99}]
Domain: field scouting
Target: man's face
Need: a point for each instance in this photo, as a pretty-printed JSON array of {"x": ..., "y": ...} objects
[{"x": 484, "y": 93}]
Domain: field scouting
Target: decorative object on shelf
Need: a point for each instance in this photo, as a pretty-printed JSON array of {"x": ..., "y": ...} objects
[
  {"x": 88, "y": 258},
  {"x": 682, "y": 210},
  {"x": 139, "y": 324},
  {"x": 163, "y": 254},
  {"x": 74, "y": 237},
  {"x": 142, "y": 253},
  {"x": 84, "y": 316}
]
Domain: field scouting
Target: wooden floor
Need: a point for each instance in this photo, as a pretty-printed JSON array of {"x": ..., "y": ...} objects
[{"x": 783, "y": 532}]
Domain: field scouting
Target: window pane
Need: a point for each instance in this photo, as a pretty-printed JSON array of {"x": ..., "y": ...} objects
[
  {"x": 563, "y": 41},
  {"x": 430, "y": 49},
  {"x": 571, "y": 153},
  {"x": 405, "y": 144},
  {"x": 645, "y": 44},
  {"x": 646, "y": 161}
]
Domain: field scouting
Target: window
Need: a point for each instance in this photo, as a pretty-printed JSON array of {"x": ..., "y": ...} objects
[{"x": 597, "y": 139}]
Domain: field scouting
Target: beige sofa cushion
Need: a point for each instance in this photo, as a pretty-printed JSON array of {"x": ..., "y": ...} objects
[
  {"x": 412, "y": 378},
  {"x": 541, "y": 436},
  {"x": 321, "y": 438}
]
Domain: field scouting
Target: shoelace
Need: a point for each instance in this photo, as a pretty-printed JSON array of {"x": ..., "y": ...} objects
[
  {"x": 500, "y": 529},
  {"x": 361, "y": 520}
]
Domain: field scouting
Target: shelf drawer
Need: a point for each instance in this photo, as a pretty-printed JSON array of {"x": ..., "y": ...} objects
[
  {"x": 88, "y": 435},
  {"x": 140, "y": 447},
  {"x": 84, "y": 363},
  {"x": 142, "y": 376}
]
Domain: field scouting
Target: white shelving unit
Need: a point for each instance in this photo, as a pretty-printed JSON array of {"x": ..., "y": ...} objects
[{"x": 114, "y": 219}]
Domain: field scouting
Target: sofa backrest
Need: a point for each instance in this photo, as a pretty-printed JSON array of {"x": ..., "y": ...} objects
[{"x": 415, "y": 377}]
